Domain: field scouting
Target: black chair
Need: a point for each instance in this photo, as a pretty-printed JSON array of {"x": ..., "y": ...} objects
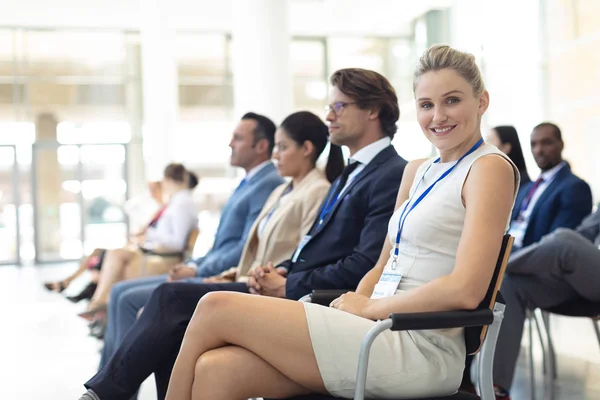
[{"x": 482, "y": 328}]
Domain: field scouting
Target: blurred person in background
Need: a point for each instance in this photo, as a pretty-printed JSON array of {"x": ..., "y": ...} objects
[
  {"x": 557, "y": 199},
  {"x": 140, "y": 208},
  {"x": 506, "y": 139},
  {"x": 168, "y": 231}
]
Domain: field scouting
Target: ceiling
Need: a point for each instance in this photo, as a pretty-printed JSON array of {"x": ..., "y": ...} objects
[{"x": 307, "y": 17}]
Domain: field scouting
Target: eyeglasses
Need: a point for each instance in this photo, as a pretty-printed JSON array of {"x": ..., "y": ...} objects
[{"x": 337, "y": 108}]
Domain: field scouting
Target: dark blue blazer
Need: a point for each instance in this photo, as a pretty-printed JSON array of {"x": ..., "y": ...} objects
[
  {"x": 349, "y": 242},
  {"x": 564, "y": 204}
]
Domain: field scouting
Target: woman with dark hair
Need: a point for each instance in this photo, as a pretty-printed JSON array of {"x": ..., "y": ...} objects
[
  {"x": 506, "y": 139},
  {"x": 292, "y": 207},
  {"x": 168, "y": 231}
]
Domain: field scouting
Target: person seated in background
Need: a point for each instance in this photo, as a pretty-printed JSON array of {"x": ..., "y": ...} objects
[
  {"x": 506, "y": 139},
  {"x": 286, "y": 217},
  {"x": 142, "y": 208},
  {"x": 146, "y": 206},
  {"x": 443, "y": 243},
  {"x": 557, "y": 199},
  {"x": 168, "y": 231},
  {"x": 563, "y": 267},
  {"x": 343, "y": 241}
]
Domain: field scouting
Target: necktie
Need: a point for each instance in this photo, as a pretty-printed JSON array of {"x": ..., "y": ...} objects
[
  {"x": 530, "y": 194},
  {"x": 343, "y": 179},
  {"x": 333, "y": 198},
  {"x": 157, "y": 216}
]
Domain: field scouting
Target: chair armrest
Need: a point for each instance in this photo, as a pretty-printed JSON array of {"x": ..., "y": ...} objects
[
  {"x": 441, "y": 320},
  {"x": 325, "y": 297}
]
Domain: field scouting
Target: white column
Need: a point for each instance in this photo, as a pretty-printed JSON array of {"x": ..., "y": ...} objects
[
  {"x": 159, "y": 86},
  {"x": 261, "y": 64}
]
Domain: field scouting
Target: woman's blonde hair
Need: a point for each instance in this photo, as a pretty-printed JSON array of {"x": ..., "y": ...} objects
[{"x": 439, "y": 57}]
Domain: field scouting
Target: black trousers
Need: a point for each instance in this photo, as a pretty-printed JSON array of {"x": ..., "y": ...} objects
[{"x": 152, "y": 344}]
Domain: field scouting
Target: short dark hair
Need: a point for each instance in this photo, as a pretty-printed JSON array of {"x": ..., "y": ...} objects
[
  {"x": 175, "y": 172},
  {"x": 370, "y": 90},
  {"x": 305, "y": 126},
  {"x": 192, "y": 180},
  {"x": 265, "y": 129},
  {"x": 554, "y": 127}
]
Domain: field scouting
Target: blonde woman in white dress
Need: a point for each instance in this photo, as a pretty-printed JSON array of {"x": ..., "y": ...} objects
[{"x": 446, "y": 252}]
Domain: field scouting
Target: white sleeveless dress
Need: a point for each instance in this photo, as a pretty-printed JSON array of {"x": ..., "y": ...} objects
[{"x": 405, "y": 364}]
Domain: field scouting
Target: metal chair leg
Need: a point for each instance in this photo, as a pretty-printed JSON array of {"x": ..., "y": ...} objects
[
  {"x": 540, "y": 333},
  {"x": 531, "y": 365},
  {"x": 551, "y": 352}
]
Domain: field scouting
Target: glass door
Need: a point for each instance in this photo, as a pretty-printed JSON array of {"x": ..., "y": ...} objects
[
  {"x": 79, "y": 192},
  {"x": 104, "y": 192},
  {"x": 9, "y": 206},
  {"x": 57, "y": 211}
]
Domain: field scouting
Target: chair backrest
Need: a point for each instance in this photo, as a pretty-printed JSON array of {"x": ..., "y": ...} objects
[{"x": 474, "y": 336}]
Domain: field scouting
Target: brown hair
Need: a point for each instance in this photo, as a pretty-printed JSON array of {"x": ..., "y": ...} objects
[
  {"x": 370, "y": 90},
  {"x": 175, "y": 172},
  {"x": 439, "y": 57}
]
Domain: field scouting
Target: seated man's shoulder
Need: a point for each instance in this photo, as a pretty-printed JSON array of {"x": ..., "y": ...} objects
[{"x": 577, "y": 182}]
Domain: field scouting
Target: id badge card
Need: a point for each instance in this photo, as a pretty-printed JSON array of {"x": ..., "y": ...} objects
[
  {"x": 387, "y": 285},
  {"x": 303, "y": 243},
  {"x": 517, "y": 230}
]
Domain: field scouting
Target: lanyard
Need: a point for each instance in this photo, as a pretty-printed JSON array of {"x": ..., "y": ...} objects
[
  {"x": 407, "y": 210},
  {"x": 276, "y": 206}
]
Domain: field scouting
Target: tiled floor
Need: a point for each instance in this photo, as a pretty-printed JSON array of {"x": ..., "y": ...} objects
[{"x": 45, "y": 352}]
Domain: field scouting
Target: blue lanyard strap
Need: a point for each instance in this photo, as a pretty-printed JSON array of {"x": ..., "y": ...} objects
[
  {"x": 339, "y": 187},
  {"x": 276, "y": 206},
  {"x": 407, "y": 210},
  {"x": 330, "y": 203}
]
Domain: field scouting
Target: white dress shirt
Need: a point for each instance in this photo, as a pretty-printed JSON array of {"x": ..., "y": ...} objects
[
  {"x": 175, "y": 224},
  {"x": 256, "y": 169},
  {"x": 365, "y": 155}
]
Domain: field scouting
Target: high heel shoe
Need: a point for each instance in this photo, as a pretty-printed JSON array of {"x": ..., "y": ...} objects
[
  {"x": 85, "y": 294},
  {"x": 95, "y": 311},
  {"x": 56, "y": 286}
]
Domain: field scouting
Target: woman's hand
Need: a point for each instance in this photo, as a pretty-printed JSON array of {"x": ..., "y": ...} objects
[{"x": 354, "y": 303}]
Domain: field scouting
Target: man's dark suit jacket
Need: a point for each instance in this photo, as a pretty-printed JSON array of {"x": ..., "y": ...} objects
[
  {"x": 348, "y": 243},
  {"x": 564, "y": 204}
]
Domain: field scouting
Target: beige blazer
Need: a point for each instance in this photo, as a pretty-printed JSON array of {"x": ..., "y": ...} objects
[{"x": 288, "y": 223}]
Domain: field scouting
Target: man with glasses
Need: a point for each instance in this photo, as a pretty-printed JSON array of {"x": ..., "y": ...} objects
[{"x": 342, "y": 245}]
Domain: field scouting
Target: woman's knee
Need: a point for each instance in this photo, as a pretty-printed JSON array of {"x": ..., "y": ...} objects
[
  {"x": 213, "y": 366},
  {"x": 211, "y": 305},
  {"x": 214, "y": 301}
]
